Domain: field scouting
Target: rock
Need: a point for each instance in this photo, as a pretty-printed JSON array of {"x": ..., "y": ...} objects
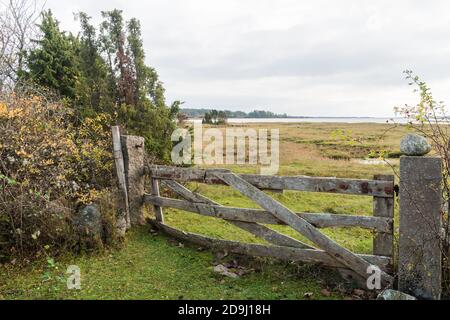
[
  {"x": 414, "y": 145},
  {"x": 308, "y": 295},
  {"x": 88, "y": 221},
  {"x": 325, "y": 293},
  {"x": 221, "y": 269},
  {"x": 390, "y": 294}
]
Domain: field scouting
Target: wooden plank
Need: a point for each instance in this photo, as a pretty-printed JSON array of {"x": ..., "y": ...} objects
[
  {"x": 156, "y": 208},
  {"x": 383, "y": 243},
  {"x": 120, "y": 171},
  {"x": 298, "y": 183},
  {"x": 186, "y": 193},
  {"x": 319, "y": 220},
  {"x": 337, "y": 252},
  {"x": 270, "y": 235},
  {"x": 272, "y": 251},
  {"x": 256, "y": 229}
]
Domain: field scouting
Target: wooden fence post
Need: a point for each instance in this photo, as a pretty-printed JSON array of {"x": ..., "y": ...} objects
[
  {"x": 133, "y": 151},
  {"x": 157, "y": 209},
  {"x": 420, "y": 251},
  {"x": 123, "y": 220},
  {"x": 383, "y": 243}
]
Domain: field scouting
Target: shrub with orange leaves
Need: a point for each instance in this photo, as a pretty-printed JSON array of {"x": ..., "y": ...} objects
[{"x": 51, "y": 162}]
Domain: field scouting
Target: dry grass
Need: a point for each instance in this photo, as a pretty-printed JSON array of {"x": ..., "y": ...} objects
[{"x": 330, "y": 149}]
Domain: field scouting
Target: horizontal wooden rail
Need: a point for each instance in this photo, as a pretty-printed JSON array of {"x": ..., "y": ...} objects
[
  {"x": 278, "y": 252},
  {"x": 258, "y": 230},
  {"x": 319, "y": 220},
  {"x": 378, "y": 188}
]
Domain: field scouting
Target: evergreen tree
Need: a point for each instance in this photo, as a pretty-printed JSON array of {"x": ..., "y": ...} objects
[
  {"x": 106, "y": 73},
  {"x": 222, "y": 117},
  {"x": 52, "y": 63},
  {"x": 207, "y": 118},
  {"x": 114, "y": 42},
  {"x": 95, "y": 92},
  {"x": 145, "y": 76},
  {"x": 142, "y": 107}
]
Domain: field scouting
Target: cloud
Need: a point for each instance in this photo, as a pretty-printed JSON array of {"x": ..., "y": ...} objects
[{"x": 300, "y": 57}]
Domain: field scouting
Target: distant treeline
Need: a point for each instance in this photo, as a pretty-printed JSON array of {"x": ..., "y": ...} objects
[{"x": 200, "y": 113}]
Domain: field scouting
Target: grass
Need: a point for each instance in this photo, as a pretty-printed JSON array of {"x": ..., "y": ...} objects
[
  {"x": 152, "y": 267},
  {"x": 353, "y": 238}
]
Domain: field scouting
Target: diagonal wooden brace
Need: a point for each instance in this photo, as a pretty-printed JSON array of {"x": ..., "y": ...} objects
[
  {"x": 256, "y": 229},
  {"x": 337, "y": 252}
]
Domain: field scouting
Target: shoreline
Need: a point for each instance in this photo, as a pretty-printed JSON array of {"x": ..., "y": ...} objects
[{"x": 311, "y": 120}]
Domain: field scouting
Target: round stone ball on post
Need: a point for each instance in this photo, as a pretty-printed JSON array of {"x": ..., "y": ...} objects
[{"x": 414, "y": 145}]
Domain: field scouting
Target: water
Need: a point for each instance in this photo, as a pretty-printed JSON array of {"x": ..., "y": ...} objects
[
  {"x": 311, "y": 120},
  {"x": 371, "y": 161},
  {"x": 376, "y": 162}
]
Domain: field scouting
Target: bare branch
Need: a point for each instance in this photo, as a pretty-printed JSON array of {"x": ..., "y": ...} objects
[{"x": 18, "y": 27}]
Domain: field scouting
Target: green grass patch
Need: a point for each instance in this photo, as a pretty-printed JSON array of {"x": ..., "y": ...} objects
[{"x": 153, "y": 267}]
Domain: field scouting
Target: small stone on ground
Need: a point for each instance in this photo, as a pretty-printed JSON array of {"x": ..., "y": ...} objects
[
  {"x": 221, "y": 269},
  {"x": 394, "y": 295}
]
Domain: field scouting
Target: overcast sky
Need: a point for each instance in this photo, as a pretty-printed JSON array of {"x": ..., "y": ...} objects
[{"x": 315, "y": 58}]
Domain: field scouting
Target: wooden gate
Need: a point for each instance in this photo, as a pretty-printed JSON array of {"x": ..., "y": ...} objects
[{"x": 325, "y": 251}]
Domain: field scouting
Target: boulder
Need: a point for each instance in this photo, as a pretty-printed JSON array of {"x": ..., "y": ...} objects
[
  {"x": 88, "y": 221},
  {"x": 390, "y": 294},
  {"x": 414, "y": 145}
]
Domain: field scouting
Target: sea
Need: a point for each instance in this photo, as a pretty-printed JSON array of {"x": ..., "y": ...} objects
[{"x": 313, "y": 120}]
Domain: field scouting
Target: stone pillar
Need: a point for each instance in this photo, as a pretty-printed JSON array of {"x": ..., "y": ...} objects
[
  {"x": 420, "y": 251},
  {"x": 133, "y": 153}
]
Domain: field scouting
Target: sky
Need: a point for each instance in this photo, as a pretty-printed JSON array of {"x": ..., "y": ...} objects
[{"x": 304, "y": 58}]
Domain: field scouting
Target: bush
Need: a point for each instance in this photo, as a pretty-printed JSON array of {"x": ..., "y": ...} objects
[
  {"x": 336, "y": 155},
  {"x": 49, "y": 167},
  {"x": 374, "y": 154}
]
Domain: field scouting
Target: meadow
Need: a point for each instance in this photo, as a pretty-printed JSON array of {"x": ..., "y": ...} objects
[{"x": 152, "y": 266}]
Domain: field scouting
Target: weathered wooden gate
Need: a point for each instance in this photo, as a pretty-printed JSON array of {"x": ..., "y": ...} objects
[
  {"x": 326, "y": 251},
  {"x": 420, "y": 231}
]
